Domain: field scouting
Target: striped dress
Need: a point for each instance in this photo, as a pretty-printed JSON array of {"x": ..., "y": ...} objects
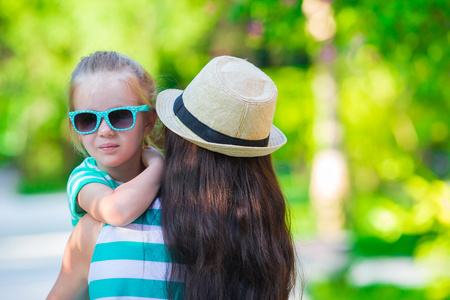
[{"x": 131, "y": 262}]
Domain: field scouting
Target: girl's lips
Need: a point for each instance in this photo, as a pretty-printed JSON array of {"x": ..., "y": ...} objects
[{"x": 108, "y": 147}]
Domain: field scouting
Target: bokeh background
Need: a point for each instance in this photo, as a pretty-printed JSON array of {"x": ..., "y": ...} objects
[{"x": 364, "y": 100}]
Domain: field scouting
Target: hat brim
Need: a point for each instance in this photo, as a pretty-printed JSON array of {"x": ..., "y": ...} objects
[{"x": 164, "y": 108}]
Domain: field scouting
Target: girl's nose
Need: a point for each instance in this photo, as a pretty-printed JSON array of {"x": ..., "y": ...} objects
[{"x": 104, "y": 129}]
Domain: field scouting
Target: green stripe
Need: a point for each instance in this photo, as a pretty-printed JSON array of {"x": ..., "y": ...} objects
[
  {"x": 150, "y": 217},
  {"x": 132, "y": 251},
  {"x": 132, "y": 288}
]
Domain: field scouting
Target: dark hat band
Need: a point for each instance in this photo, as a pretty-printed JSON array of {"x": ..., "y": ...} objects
[{"x": 207, "y": 133}]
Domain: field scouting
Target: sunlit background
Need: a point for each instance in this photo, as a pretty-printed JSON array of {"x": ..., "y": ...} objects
[{"x": 364, "y": 100}]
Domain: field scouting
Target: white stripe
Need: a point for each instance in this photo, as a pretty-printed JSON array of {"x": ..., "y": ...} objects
[
  {"x": 125, "y": 268},
  {"x": 156, "y": 204},
  {"x": 132, "y": 233}
]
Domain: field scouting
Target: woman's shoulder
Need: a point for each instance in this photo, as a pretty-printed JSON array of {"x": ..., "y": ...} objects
[{"x": 152, "y": 216}]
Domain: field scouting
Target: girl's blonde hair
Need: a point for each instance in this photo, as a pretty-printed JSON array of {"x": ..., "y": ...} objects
[{"x": 140, "y": 81}]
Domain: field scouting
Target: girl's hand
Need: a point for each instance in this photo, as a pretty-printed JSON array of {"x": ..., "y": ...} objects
[{"x": 150, "y": 155}]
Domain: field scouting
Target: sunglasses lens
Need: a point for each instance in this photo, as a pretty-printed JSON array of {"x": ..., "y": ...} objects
[
  {"x": 85, "y": 122},
  {"x": 121, "y": 119}
]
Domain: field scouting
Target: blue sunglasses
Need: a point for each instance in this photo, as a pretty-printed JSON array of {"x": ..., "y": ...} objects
[{"x": 119, "y": 119}]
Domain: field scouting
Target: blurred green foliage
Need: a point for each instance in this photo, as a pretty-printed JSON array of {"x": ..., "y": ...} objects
[
  {"x": 338, "y": 289},
  {"x": 390, "y": 61}
]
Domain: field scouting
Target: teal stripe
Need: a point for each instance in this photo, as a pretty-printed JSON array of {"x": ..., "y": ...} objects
[
  {"x": 150, "y": 217},
  {"x": 132, "y": 251},
  {"x": 97, "y": 179},
  {"x": 132, "y": 288}
]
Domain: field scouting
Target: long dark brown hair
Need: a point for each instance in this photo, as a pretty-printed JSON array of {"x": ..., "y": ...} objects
[{"x": 225, "y": 219}]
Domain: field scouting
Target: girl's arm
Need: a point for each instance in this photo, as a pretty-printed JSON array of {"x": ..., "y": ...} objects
[
  {"x": 127, "y": 202},
  {"x": 72, "y": 279}
]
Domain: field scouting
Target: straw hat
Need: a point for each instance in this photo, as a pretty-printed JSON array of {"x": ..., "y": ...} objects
[{"x": 227, "y": 108}]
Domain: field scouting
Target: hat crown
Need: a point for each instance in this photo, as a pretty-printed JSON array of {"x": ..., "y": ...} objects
[{"x": 233, "y": 97}]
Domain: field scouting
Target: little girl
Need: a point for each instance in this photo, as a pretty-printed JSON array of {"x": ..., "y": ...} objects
[{"x": 111, "y": 112}]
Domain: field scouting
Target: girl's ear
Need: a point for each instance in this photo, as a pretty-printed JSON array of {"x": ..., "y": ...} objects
[{"x": 150, "y": 122}]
